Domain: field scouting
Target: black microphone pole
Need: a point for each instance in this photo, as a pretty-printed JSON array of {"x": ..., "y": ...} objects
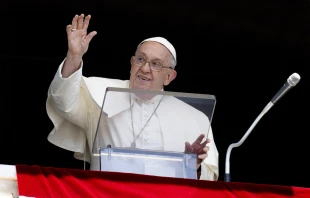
[{"x": 291, "y": 82}]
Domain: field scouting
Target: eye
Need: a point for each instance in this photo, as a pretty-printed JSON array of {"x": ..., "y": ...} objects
[
  {"x": 156, "y": 64},
  {"x": 140, "y": 59}
]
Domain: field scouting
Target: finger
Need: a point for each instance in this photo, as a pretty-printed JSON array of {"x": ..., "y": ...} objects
[
  {"x": 203, "y": 144},
  {"x": 188, "y": 148},
  {"x": 199, "y": 139},
  {"x": 74, "y": 22},
  {"x": 206, "y": 149},
  {"x": 203, "y": 156},
  {"x": 86, "y": 22},
  {"x": 68, "y": 29},
  {"x": 200, "y": 150},
  {"x": 90, "y": 36},
  {"x": 80, "y": 22}
]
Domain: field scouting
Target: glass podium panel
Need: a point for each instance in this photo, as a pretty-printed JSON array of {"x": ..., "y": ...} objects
[
  {"x": 144, "y": 131},
  {"x": 157, "y": 163}
]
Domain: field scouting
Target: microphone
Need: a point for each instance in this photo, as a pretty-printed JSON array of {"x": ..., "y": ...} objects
[{"x": 291, "y": 82}]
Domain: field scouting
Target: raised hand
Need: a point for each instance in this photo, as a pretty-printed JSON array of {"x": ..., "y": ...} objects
[
  {"x": 78, "y": 43},
  {"x": 78, "y": 39}
]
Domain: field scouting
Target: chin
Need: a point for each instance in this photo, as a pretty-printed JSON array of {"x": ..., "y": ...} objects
[
  {"x": 137, "y": 85},
  {"x": 145, "y": 87}
]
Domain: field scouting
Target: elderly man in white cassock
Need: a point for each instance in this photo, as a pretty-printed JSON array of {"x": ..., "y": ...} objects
[{"x": 74, "y": 105}]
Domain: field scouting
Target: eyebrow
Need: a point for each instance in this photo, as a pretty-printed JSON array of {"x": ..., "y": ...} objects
[{"x": 156, "y": 59}]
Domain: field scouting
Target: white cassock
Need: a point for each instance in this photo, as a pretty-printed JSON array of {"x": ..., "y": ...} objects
[{"x": 74, "y": 106}]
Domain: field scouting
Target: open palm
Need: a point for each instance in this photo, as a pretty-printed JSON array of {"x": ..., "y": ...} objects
[{"x": 78, "y": 39}]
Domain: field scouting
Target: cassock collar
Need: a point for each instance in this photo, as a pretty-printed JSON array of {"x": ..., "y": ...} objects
[{"x": 115, "y": 102}]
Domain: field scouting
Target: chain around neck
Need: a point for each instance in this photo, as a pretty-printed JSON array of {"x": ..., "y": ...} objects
[{"x": 133, "y": 144}]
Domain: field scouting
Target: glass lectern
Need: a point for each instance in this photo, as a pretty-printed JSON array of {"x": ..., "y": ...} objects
[{"x": 144, "y": 131}]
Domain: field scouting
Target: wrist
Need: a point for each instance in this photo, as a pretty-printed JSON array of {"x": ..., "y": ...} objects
[
  {"x": 74, "y": 58},
  {"x": 71, "y": 65}
]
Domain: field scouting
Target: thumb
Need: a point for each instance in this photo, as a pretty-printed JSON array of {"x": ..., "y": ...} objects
[
  {"x": 90, "y": 36},
  {"x": 68, "y": 29}
]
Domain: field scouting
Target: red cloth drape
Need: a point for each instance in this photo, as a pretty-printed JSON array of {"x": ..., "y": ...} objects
[{"x": 47, "y": 182}]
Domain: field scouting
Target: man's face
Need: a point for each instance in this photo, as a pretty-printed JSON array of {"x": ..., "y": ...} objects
[{"x": 142, "y": 77}]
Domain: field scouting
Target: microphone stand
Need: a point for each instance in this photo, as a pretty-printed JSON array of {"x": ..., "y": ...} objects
[
  {"x": 291, "y": 82},
  {"x": 227, "y": 163}
]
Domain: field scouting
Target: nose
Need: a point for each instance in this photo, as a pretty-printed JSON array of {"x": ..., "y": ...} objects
[{"x": 146, "y": 67}]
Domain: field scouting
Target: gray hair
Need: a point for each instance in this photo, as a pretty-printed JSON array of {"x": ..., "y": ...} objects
[{"x": 173, "y": 62}]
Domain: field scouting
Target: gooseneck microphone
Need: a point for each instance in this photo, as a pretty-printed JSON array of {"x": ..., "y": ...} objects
[{"x": 291, "y": 82}]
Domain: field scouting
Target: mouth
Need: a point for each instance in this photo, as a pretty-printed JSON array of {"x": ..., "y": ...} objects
[{"x": 143, "y": 78}]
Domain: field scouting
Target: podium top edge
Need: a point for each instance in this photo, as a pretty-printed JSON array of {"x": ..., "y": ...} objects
[{"x": 164, "y": 93}]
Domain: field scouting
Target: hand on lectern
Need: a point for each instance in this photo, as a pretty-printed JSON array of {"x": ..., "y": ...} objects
[{"x": 198, "y": 147}]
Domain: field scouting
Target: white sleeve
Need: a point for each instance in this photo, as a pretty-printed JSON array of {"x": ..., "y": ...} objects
[
  {"x": 66, "y": 98},
  {"x": 66, "y": 106}
]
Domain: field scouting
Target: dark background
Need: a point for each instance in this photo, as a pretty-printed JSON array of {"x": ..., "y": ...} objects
[{"x": 240, "y": 51}]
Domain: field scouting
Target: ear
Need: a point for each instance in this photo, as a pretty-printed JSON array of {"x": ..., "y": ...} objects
[
  {"x": 170, "y": 77},
  {"x": 131, "y": 62}
]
